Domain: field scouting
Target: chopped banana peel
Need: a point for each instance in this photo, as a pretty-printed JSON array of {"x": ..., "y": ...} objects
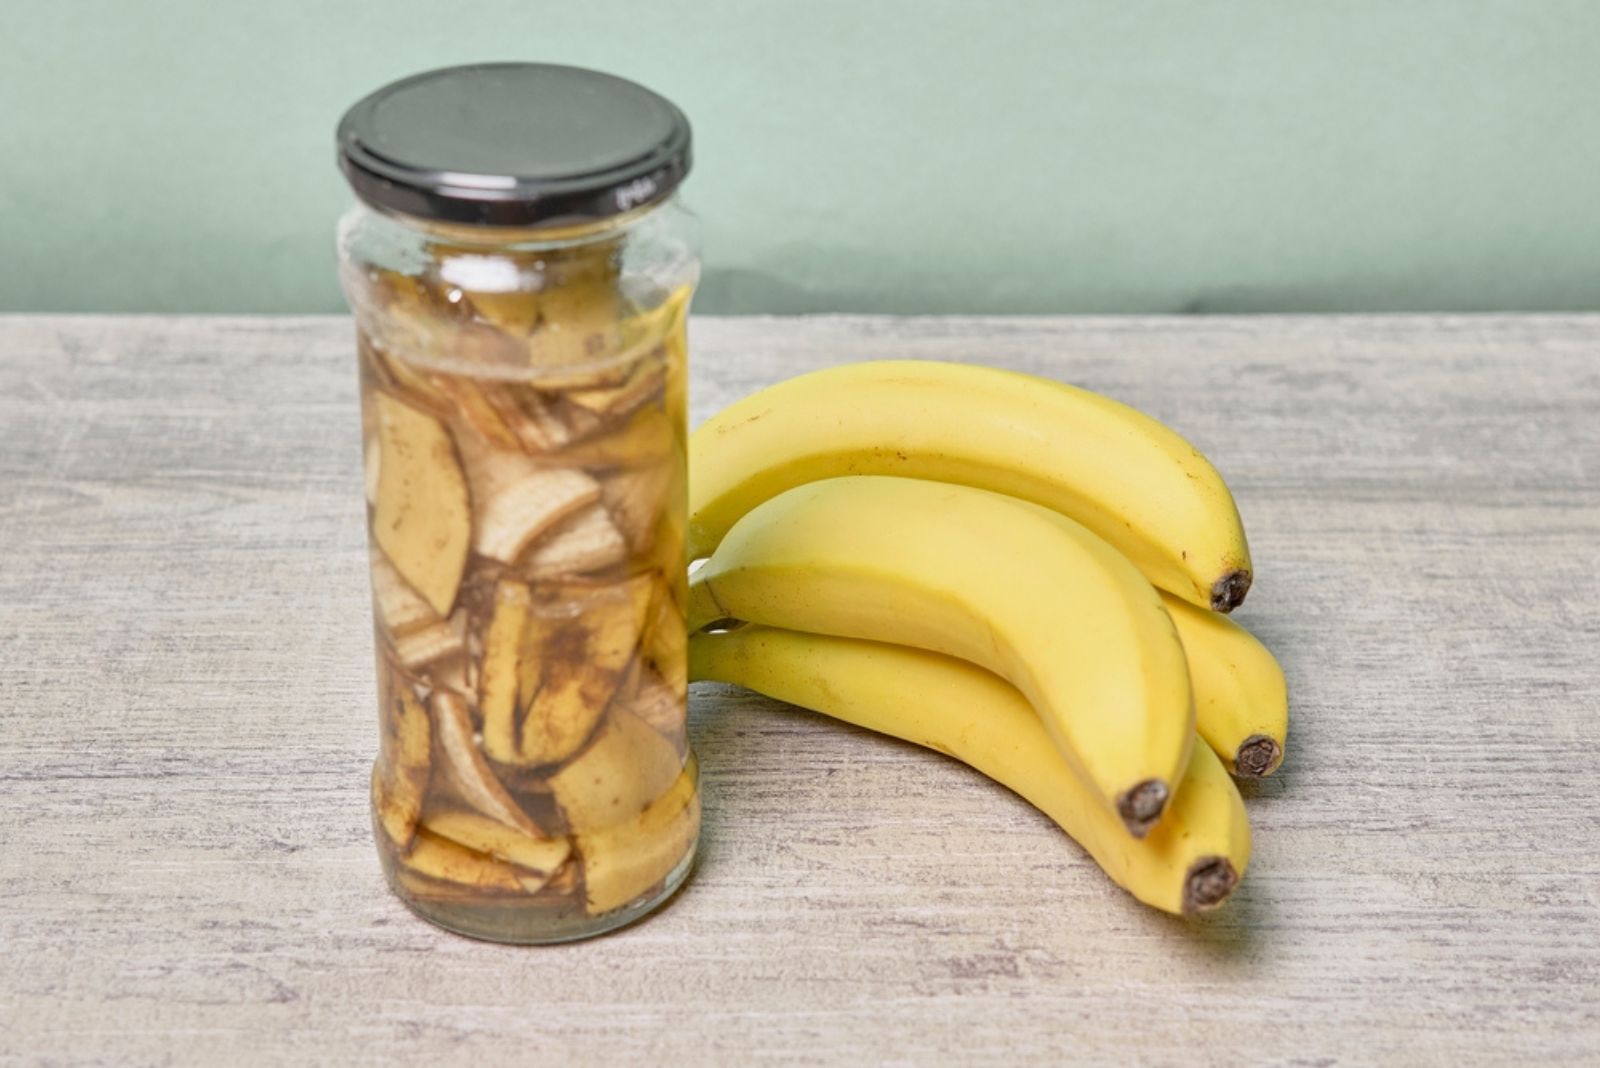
[
  {"x": 463, "y": 767},
  {"x": 586, "y": 541},
  {"x": 644, "y": 383},
  {"x": 606, "y": 372},
  {"x": 634, "y": 498},
  {"x": 659, "y": 324},
  {"x": 676, "y": 395},
  {"x": 622, "y": 770},
  {"x": 515, "y": 313},
  {"x": 626, "y": 860},
  {"x": 371, "y": 464},
  {"x": 405, "y": 746},
  {"x": 535, "y": 855},
  {"x": 582, "y": 657},
  {"x": 439, "y": 858},
  {"x": 646, "y": 438},
  {"x": 422, "y": 519},
  {"x": 513, "y": 518},
  {"x": 542, "y": 499},
  {"x": 667, "y": 552},
  {"x": 455, "y": 675},
  {"x": 374, "y": 373},
  {"x": 419, "y": 386},
  {"x": 662, "y": 706},
  {"x": 473, "y": 407},
  {"x": 531, "y": 416},
  {"x": 395, "y": 373},
  {"x": 530, "y": 787},
  {"x": 426, "y": 314},
  {"x": 568, "y": 879},
  {"x": 435, "y": 642},
  {"x": 666, "y": 644},
  {"x": 502, "y": 671},
  {"x": 579, "y": 323},
  {"x": 515, "y": 500},
  {"x": 400, "y": 609}
]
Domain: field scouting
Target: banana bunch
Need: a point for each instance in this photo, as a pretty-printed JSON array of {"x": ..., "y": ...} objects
[{"x": 1024, "y": 575}]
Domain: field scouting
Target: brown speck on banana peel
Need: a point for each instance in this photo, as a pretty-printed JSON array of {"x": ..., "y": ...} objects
[
  {"x": 1208, "y": 884},
  {"x": 1227, "y": 593},
  {"x": 1141, "y": 806},
  {"x": 1258, "y": 756}
]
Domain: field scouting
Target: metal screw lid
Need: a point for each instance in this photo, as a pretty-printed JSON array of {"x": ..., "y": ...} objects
[{"x": 514, "y": 144}]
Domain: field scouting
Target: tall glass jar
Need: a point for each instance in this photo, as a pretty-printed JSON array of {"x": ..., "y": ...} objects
[{"x": 520, "y": 274}]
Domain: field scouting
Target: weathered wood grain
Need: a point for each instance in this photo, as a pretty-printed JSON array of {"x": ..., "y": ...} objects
[{"x": 186, "y": 716}]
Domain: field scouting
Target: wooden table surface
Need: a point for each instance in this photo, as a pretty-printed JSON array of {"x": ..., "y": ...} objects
[{"x": 186, "y": 721}]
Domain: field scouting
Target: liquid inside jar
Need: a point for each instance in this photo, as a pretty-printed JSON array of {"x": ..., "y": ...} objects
[{"x": 523, "y": 424}]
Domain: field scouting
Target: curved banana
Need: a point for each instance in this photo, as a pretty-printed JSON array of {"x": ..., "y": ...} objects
[
  {"x": 1122, "y": 474},
  {"x": 1189, "y": 863},
  {"x": 1241, "y": 702},
  {"x": 1003, "y": 583}
]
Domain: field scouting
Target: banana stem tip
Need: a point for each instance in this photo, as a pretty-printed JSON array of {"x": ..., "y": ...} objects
[
  {"x": 1141, "y": 806},
  {"x": 1258, "y": 755},
  {"x": 1227, "y": 593},
  {"x": 1210, "y": 881}
]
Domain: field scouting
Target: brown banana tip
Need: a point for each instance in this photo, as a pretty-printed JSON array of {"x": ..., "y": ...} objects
[
  {"x": 1227, "y": 593},
  {"x": 1258, "y": 755},
  {"x": 1141, "y": 806},
  {"x": 1210, "y": 881}
]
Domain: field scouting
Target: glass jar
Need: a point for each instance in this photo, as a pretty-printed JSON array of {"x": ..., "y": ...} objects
[{"x": 520, "y": 274}]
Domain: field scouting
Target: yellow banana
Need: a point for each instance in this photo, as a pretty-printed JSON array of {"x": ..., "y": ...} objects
[
  {"x": 1003, "y": 583},
  {"x": 1122, "y": 474},
  {"x": 1241, "y": 703},
  {"x": 1189, "y": 863}
]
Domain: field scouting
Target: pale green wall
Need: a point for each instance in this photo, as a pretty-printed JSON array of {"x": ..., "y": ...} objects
[{"x": 898, "y": 155}]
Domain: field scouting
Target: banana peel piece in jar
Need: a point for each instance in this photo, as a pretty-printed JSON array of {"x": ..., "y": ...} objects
[
  {"x": 530, "y": 415},
  {"x": 644, "y": 383},
  {"x": 401, "y": 610},
  {"x": 502, "y": 689},
  {"x": 471, "y": 404},
  {"x": 400, "y": 776},
  {"x": 422, "y": 519},
  {"x": 514, "y": 313},
  {"x": 428, "y": 313},
  {"x": 371, "y": 464},
  {"x": 582, "y": 639},
  {"x": 654, "y": 700},
  {"x": 516, "y": 500},
  {"x": 646, "y": 438},
  {"x": 566, "y": 883},
  {"x": 579, "y": 322},
  {"x": 587, "y": 541},
  {"x": 456, "y": 674},
  {"x": 439, "y": 858},
  {"x": 437, "y": 641},
  {"x": 668, "y": 552},
  {"x": 415, "y": 384},
  {"x": 635, "y": 497},
  {"x": 464, "y": 770},
  {"x": 625, "y": 860},
  {"x": 666, "y": 644},
  {"x": 646, "y": 331},
  {"x": 539, "y": 858},
  {"x": 626, "y": 766}
]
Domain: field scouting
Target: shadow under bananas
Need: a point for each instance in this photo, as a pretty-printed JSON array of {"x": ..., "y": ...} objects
[{"x": 751, "y": 746}]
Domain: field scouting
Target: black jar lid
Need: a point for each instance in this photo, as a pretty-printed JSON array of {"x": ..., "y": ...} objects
[{"x": 514, "y": 144}]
